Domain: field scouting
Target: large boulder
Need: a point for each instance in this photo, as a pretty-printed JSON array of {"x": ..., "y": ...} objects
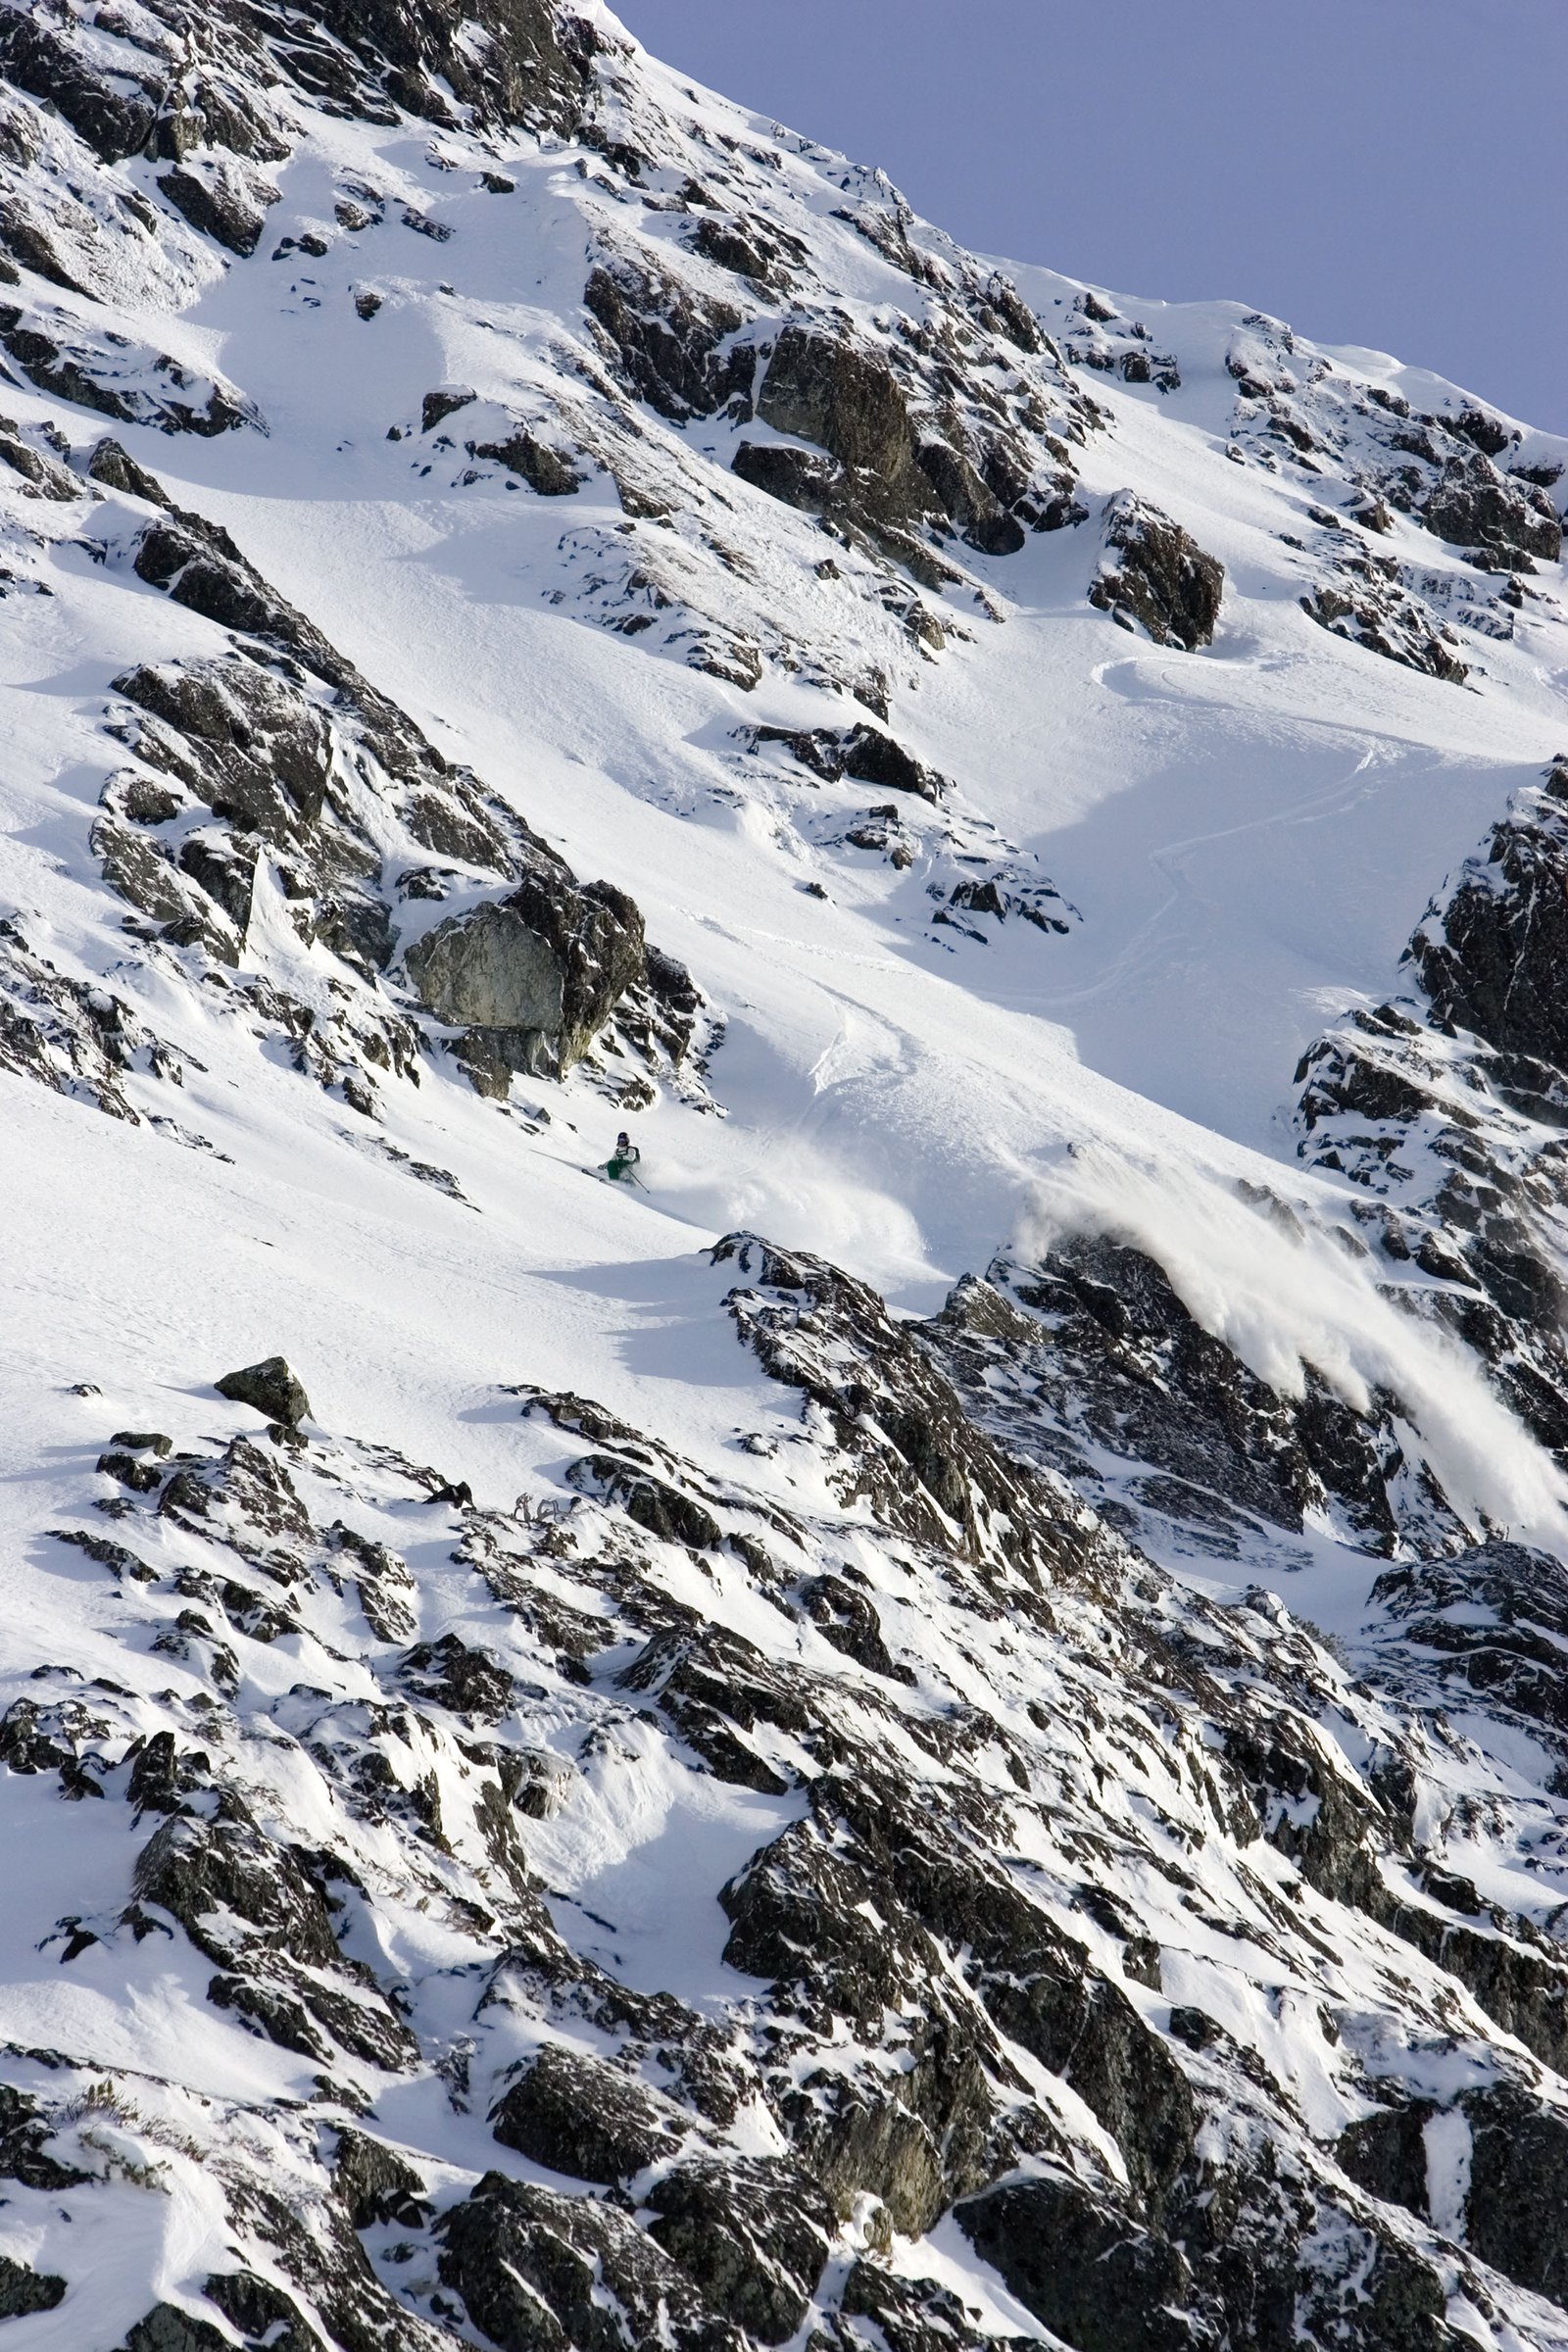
[
  {"x": 491, "y": 970},
  {"x": 376, "y": 2184},
  {"x": 847, "y": 399},
  {"x": 467, "y": 1680},
  {"x": 232, "y": 1889},
  {"x": 272, "y": 1388},
  {"x": 533, "y": 977}
]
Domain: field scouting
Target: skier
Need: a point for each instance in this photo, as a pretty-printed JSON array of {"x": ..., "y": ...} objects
[{"x": 621, "y": 1166}]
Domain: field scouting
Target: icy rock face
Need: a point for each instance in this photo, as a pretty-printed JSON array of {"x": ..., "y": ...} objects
[
  {"x": 1105, "y": 1356},
  {"x": 1448, "y": 1109},
  {"x": 1494, "y": 955},
  {"x": 918, "y": 2023},
  {"x": 1495, "y": 1618}
]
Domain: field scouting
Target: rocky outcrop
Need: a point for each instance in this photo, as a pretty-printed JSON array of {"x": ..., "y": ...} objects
[
  {"x": 250, "y": 1907},
  {"x": 467, "y": 1680},
  {"x": 755, "y": 2237},
  {"x": 134, "y": 383},
  {"x": 867, "y": 755},
  {"x": 522, "y": 453},
  {"x": 23, "y": 2131},
  {"x": 907, "y": 1446},
  {"x": 207, "y": 84},
  {"x": 24, "y": 2290},
  {"x": 575, "y": 2114},
  {"x": 1492, "y": 1620},
  {"x": 1515, "y": 2210},
  {"x": 765, "y": 253},
  {"x": 530, "y": 63},
  {"x": 1107, "y": 1358},
  {"x": 536, "y": 2269},
  {"x": 1156, "y": 575},
  {"x": 1492, "y": 952},
  {"x": 886, "y": 442},
  {"x": 848, "y": 400},
  {"x": 668, "y": 339},
  {"x": 72, "y": 1036},
  {"x": 1476, "y": 508},
  {"x": 224, "y": 199},
  {"x": 374, "y": 2184},
  {"x": 194, "y": 87},
  {"x": 247, "y": 765},
  {"x": 1366, "y": 599},
  {"x": 1089, "y": 2271},
  {"x": 36, "y": 465},
  {"x": 1101, "y": 338},
  {"x": 1497, "y": 2154},
  {"x": 888, "y": 474},
  {"x": 1445, "y": 468},
  {"x": 921, "y": 2021}
]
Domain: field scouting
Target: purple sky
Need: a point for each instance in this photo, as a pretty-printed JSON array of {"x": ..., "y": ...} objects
[{"x": 1381, "y": 172}]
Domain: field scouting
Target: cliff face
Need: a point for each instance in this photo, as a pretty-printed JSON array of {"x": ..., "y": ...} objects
[{"x": 945, "y": 1726}]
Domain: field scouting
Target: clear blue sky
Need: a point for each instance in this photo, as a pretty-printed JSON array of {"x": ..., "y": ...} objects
[{"x": 1384, "y": 171}]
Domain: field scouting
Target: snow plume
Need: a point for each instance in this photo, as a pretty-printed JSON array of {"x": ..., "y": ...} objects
[
  {"x": 803, "y": 1195},
  {"x": 1284, "y": 1291}
]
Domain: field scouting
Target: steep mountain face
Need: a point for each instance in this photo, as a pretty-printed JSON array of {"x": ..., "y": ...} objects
[{"x": 943, "y": 1727}]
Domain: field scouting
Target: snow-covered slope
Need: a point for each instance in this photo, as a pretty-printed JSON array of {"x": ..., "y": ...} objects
[{"x": 944, "y": 1726}]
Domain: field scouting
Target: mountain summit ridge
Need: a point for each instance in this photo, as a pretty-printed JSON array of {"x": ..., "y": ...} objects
[{"x": 943, "y": 1730}]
